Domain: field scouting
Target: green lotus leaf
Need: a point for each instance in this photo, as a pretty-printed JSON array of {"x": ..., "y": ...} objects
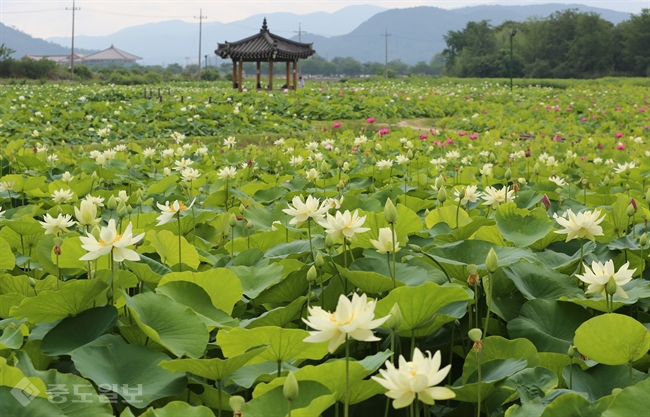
[
  {"x": 521, "y": 226},
  {"x": 215, "y": 369},
  {"x": 7, "y": 260},
  {"x": 572, "y": 404},
  {"x": 632, "y": 401},
  {"x": 273, "y": 403},
  {"x": 171, "y": 324},
  {"x": 173, "y": 409},
  {"x": 496, "y": 347},
  {"x": 279, "y": 317},
  {"x": 535, "y": 280},
  {"x": 492, "y": 371},
  {"x": 447, "y": 215},
  {"x": 612, "y": 339},
  {"x": 599, "y": 381},
  {"x": 166, "y": 245},
  {"x": 254, "y": 280}
]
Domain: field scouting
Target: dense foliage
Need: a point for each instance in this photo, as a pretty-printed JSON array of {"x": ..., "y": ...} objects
[
  {"x": 566, "y": 44},
  {"x": 214, "y": 252}
]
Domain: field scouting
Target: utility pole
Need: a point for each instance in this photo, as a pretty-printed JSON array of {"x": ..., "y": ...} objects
[
  {"x": 299, "y": 32},
  {"x": 386, "y": 35},
  {"x": 206, "y": 62},
  {"x": 200, "y": 17},
  {"x": 512, "y": 35},
  {"x": 72, "y": 52}
]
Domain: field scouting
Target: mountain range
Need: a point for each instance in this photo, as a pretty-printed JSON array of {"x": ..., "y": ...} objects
[{"x": 416, "y": 34}]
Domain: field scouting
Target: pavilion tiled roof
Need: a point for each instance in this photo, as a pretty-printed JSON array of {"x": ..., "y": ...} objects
[{"x": 265, "y": 46}]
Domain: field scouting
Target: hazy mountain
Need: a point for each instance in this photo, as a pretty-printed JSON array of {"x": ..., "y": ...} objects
[
  {"x": 416, "y": 34},
  {"x": 24, "y": 44},
  {"x": 173, "y": 40}
]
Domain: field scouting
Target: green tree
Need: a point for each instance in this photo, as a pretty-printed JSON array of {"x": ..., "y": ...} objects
[{"x": 635, "y": 44}]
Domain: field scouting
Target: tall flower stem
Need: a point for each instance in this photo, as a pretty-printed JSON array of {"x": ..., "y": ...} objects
[
  {"x": 488, "y": 302},
  {"x": 582, "y": 256},
  {"x": 311, "y": 249},
  {"x": 571, "y": 372},
  {"x": 232, "y": 241},
  {"x": 180, "y": 248},
  {"x": 393, "y": 237},
  {"x": 346, "y": 410},
  {"x": 478, "y": 412},
  {"x": 219, "y": 393},
  {"x": 390, "y": 271}
]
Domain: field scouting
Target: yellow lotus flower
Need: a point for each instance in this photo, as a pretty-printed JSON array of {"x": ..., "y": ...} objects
[{"x": 384, "y": 244}]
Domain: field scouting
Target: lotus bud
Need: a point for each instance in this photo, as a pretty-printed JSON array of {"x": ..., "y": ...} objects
[
  {"x": 440, "y": 182},
  {"x": 442, "y": 195},
  {"x": 630, "y": 210},
  {"x": 232, "y": 222},
  {"x": 409, "y": 154},
  {"x": 249, "y": 224},
  {"x": 415, "y": 248},
  {"x": 122, "y": 210},
  {"x": 395, "y": 319},
  {"x": 508, "y": 174},
  {"x": 606, "y": 180},
  {"x": 109, "y": 293},
  {"x": 536, "y": 168},
  {"x": 319, "y": 262},
  {"x": 128, "y": 164},
  {"x": 111, "y": 204},
  {"x": 329, "y": 242},
  {"x": 95, "y": 232},
  {"x": 390, "y": 212},
  {"x": 93, "y": 176},
  {"x": 546, "y": 202},
  {"x": 585, "y": 183},
  {"x": 492, "y": 261},
  {"x": 58, "y": 241},
  {"x": 643, "y": 240},
  {"x": 611, "y": 286},
  {"x": 32, "y": 282},
  {"x": 647, "y": 197},
  {"x": 572, "y": 351},
  {"x": 129, "y": 208},
  {"x": 290, "y": 389},
  {"x": 475, "y": 334},
  {"x": 312, "y": 274},
  {"x": 324, "y": 168},
  {"x": 138, "y": 202},
  {"x": 237, "y": 402},
  {"x": 473, "y": 277}
]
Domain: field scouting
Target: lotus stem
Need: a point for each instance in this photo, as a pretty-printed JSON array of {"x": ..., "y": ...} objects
[
  {"x": 346, "y": 411},
  {"x": 488, "y": 302},
  {"x": 180, "y": 262},
  {"x": 478, "y": 412}
]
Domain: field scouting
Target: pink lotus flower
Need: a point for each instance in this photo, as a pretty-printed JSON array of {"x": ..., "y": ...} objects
[
  {"x": 450, "y": 141},
  {"x": 584, "y": 119},
  {"x": 546, "y": 202},
  {"x": 620, "y": 146},
  {"x": 461, "y": 133},
  {"x": 473, "y": 136},
  {"x": 618, "y": 108},
  {"x": 423, "y": 136},
  {"x": 370, "y": 120},
  {"x": 633, "y": 204},
  {"x": 619, "y": 135},
  {"x": 600, "y": 146},
  {"x": 384, "y": 131},
  {"x": 355, "y": 148},
  {"x": 336, "y": 125}
]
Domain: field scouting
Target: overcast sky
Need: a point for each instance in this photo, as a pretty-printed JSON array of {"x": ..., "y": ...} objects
[{"x": 47, "y": 18}]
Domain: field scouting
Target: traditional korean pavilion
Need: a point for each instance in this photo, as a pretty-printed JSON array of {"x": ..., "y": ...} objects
[{"x": 264, "y": 47}]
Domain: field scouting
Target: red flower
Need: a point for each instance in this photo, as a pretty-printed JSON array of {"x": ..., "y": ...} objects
[{"x": 370, "y": 120}]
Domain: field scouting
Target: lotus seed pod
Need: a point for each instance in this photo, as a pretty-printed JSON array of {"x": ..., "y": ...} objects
[
  {"x": 390, "y": 212},
  {"x": 492, "y": 261},
  {"x": 236, "y": 402},
  {"x": 312, "y": 274},
  {"x": 611, "y": 286},
  {"x": 442, "y": 195},
  {"x": 290, "y": 389},
  {"x": 232, "y": 222},
  {"x": 58, "y": 241},
  {"x": 112, "y": 203},
  {"x": 475, "y": 334},
  {"x": 93, "y": 176},
  {"x": 395, "y": 319},
  {"x": 508, "y": 174},
  {"x": 319, "y": 262}
]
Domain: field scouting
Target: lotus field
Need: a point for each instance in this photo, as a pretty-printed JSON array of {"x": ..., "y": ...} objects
[{"x": 382, "y": 249}]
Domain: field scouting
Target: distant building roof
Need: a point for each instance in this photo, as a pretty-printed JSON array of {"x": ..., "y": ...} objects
[
  {"x": 111, "y": 54},
  {"x": 265, "y": 46},
  {"x": 61, "y": 59}
]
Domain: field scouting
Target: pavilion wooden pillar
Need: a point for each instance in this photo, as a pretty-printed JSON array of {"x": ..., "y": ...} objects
[
  {"x": 288, "y": 83},
  {"x": 295, "y": 75},
  {"x": 241, "y": 68},
  {"x": 234, "y": 74},
  {"x": 270, "y": 75},
  {"x": 257, "y": 85}
]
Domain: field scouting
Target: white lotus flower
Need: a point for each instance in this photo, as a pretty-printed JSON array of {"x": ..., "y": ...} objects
[
  {"x": 344, "y": 224},
  {"x": 6, "y": 186},
  {"x": 178, "y": 137},
  {"x": 55, "y": 225},
  {"x": 486, "y": 170},
  {"x": 417, "y": 377},
  {"x": 67, "y": 177},
  {"x": 149, "y": 152},
  {"x": 122, "y": 197},
  {"x": 312, "y": 175},
  {"x": 167, "y": 211},
  {"x": 310, "y": 209},
  {"x": 557, "y": 180},
  {"x": 182, "y": 164},
  {"x": 296, "y": 160},
  {"x": 229, "y": 142},
  {"x": 190, "y": 174},
  {"x": 384, "y": 164},
  {"x": 470, "y": 195},
  {"x": 599, "y": 274},
  {"x": 98, "y": 201},
  {"x": 62, "y": 196},
  {"x": 86, "y": 214},
  {"x": 625, "y": 168},
  {"x": 227, "y": 173},
  {"x": 111, "y": 241},
  {"x": 384, "y": 244},
  {"x": 581, "y": 225},
  {"x": 354, "y": 319},
  {"x": 493, "y": 197}
]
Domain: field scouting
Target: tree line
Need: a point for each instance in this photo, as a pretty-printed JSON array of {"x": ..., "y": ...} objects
[{"x": 567, "y": 44}]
